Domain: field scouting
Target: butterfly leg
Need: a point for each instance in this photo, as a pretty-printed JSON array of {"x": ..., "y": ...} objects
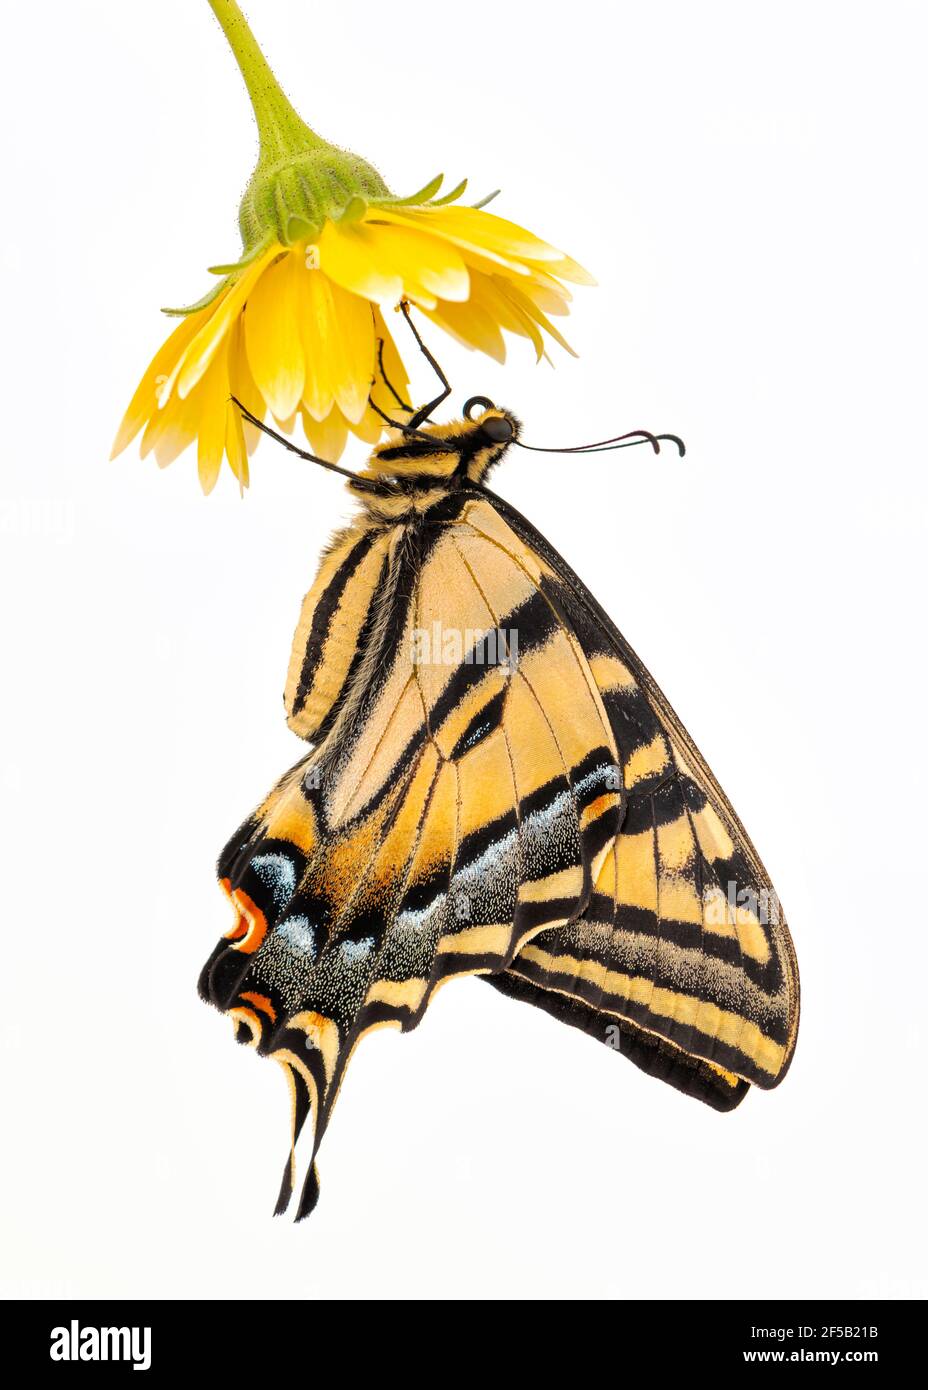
[
  {"x": 363, "y": 483},
  {"x": 425, "y": 411},
  {"x": 387, "y": 382}
]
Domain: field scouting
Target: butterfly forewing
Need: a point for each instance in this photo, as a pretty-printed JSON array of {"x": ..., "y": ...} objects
[{"x": 683, "y": 936}]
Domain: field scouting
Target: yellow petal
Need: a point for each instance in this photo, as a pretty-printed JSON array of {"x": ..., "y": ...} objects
[
  {"x": 524, "y": 305},
  {"x": 418, "y": 219},
  {"x": 326, "y": 437},
  {"x": 423, "y": 262},
  {"x": 317, "y": 334},
  {"x": 242, "y": 384},
  {"x": 338, "y": 344},
  {"x": 553, "y": 299},
  {"x": 170, "y": 429},
  {"x": 214, "y": 408},
  {"x": 236, "y": 450},
  {"x": 569, "y": 269},
  {"x": 352, "y": 384},
  {"x": 347, "y": 256},
  {"x": 394, "y": 372},
  {"x": 369, "y": 428},
  {"x": 484, "y": 234},
  {"x": 145, "y": 401},
  {"x": 473, "y": 325},
  {"x": 485, "y": 230},
  {"x": 539, "y": 279},
  {"x": 496, "y": 265},
  {"x": 272, "y": 335},
  {"x": 490, "y": 291},
  {"x": 222, "y": 315}
]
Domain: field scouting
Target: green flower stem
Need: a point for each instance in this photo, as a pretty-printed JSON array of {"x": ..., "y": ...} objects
[
  {"x": 280, "y": 130},
  {"x": 300, "y": 179}
]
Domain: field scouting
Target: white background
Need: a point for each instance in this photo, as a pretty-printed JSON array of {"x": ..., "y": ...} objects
[{"x": 747, "y": 182}]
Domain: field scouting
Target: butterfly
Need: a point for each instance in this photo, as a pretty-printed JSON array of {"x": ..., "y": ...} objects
[{"x": 496, "y": 786}]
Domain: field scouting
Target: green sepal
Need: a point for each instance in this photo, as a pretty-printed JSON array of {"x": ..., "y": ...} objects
[
  {"x": 241, "y": 264},
  {"x": 209, "y": 298},
  {"x": 421, "y": 196},
  {"x": 449, "y": 197},
  {"x": 354, "y": 210}
]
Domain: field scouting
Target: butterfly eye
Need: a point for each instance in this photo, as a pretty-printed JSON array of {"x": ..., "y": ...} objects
[{"x": 498, "y": 428}]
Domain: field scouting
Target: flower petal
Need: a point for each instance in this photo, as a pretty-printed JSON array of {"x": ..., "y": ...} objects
[
  {"x": 347, "y": 256},
  {"x": 418, "y": 219},
  {"x": 338, "y": 343},
  {"x": 171, "y": 428},
  {"x": 524, "y": 305},
  {"x": 207, "y": 342},
  {"x": 547, "y": 293},
  {"x": 236, "y": 448},
  {"x": 355, "y": 322},
  {"x": 484, "y": 234},
  {"x": 242, "y": 384},
  {"x": 145, "y": 400},
  {"x": 317, "y": 332},
  {"x": 214, "y": 409},
  {"x": 486, "y": 231},
  {"x": 327, "y": 437},
  {"x": 391, "y": 383},
  {"x": 569, "y": 269},
  {"x": 473, "y": 323},
  {"x": 491, "y": 292},
  {"x": 369, "y": 428},
  {"x": 423, "y": 262},
  {"x": 272, "y": 336}
]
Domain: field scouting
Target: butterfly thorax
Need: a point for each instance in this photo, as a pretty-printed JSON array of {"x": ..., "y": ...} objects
[{"x": 416, "y": 469}]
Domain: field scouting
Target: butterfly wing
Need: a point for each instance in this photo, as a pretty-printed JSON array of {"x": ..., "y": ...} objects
[
  {"x": 462, "y": 799},
  {"x": 681, "y": 958}
]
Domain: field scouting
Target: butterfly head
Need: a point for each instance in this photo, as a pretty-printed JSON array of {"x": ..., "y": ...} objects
[{"x": 437, "y": 458}]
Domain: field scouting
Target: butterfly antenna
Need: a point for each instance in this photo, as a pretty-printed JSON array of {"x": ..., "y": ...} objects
[
  {"x": 606, "y": 446},
  {"x": 366, "y": 484},
  {"x": 675, "y": 439}
]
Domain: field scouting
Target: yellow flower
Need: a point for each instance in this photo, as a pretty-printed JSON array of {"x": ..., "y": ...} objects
[{"x": 297, "y": 327}]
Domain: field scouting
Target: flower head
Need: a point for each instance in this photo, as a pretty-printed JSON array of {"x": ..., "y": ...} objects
[{"x": 298, "y": 326}]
